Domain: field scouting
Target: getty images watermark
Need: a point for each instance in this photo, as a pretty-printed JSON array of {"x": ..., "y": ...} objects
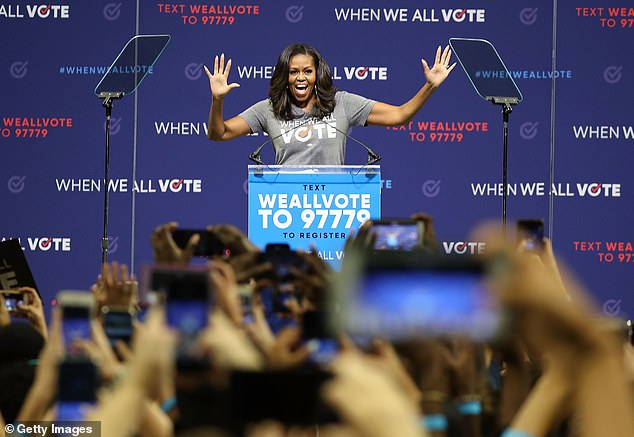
[{"x": 55, "y": 428}]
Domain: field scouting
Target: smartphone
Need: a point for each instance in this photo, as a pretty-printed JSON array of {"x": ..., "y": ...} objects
[
  {"x": 186, "y": 293},
  {"x": 77, "y": 388},
  {"x": 401, "y": 295},
  {"x": 531, "y": 230},
  {"x": 289, "y": 397},
  {"x": 12, "y": 298},
  {"x": 117, "y": 324},
  {"x": 283, "y": 259},
  {"x": 208, "y": 245},
  {"x": 398, "y": 234},
  {"x": 319, "y": 338},
  {"x": 77, "y": 311}
]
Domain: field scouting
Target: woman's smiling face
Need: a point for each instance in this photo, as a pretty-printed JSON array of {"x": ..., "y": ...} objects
[{"x": 302, "y": 76}]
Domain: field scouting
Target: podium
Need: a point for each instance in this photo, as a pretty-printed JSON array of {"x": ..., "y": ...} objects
[{"x": 313, "y": 205}]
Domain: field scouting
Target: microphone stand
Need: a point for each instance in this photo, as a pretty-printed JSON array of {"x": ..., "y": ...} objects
[
  {"x": 506, "y": 103},
  {"x": 107, "y": 98}
]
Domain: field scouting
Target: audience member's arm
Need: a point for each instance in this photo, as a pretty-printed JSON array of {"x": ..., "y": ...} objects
[
  {"x": 165, "y": 249},
  {"x": 5, "y": 317},
  {"x": 34, "y": 310},
  {"x": 380, "y": 407},
  {"x": 568, "y": 331},
  {"x": 44, "y": 388},
  {"x": 121, "y": 410},
  {"x": 547, "y": 402}
]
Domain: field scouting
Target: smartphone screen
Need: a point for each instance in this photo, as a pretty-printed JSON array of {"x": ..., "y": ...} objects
[
  {"x": 117, "y": 324},
  {"x": 187, "y": 298},
  {"x": 208, "y": 245},
  {"x": 11, "y": 300},
  {"x": 77, "y": 389},
  {"x": 436, "y": 296},
  {"x": 531, "y": 230},
  {"x": 398, "y": 234},
  {"x": 283, "y": 259},
  {"x": 75, "y": 326},
  {"x": 319, "y": 338}
]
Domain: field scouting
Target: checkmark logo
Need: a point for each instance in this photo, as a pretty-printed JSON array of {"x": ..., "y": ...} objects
[
  {"x": 46, "y": 243},
  {"x": 193, "y": 71},
  {"x": 112, "y": 11},
  {"x": 16, "y": 184},
  {"x": 528, "y": 130},
  {"x": 596, "y": 188},
  {"x": 113, "y": 244},
  {"x": 177, "y": 185},
  {"x": 612, "y": 307},
  {"x": 364, "y": 72},
  {"x": 18, "y": 69},
  {"x": 460, "y": 14},
  {"x": 295, "y": 13},
  {"x": 613, "y": 74},
  {"x": 431, "y": 188},
  {"x": 115, "y": 125},
  {"x": 44, "y": 10},
  {"x": 528, "y": 16}
]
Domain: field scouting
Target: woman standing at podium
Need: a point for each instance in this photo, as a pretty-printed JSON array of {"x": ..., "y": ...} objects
[{"x": 305, "y": 116}]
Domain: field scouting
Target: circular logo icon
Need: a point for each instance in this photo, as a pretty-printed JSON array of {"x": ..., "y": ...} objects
[
  {"x": 18, "y": 69},
  {"x": 431, "y": 188},
  {"x": 613, "y": 74},
  {"x": 113, "y": 244},
  {"x": 295, "y": 13},
  {"x": 112, "y": 11},
  {"x": 16, "y": 184},
  {"x": 193, "y": 71},
  {"x": 612, "y": 307},
  {"x": 528, "y": 16},
  {"x": 528, "y": 130},
  {"x": 115, "y": 125}
]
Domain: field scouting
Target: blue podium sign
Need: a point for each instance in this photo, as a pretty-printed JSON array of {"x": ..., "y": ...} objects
[{"x": 312, "y": 205}]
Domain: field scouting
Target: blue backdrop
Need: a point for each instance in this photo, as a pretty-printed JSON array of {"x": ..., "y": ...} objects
[{"x": 574, "y": 131}]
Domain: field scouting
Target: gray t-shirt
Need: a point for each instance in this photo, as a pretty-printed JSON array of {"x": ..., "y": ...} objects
[{"x": 310, "y": 140}]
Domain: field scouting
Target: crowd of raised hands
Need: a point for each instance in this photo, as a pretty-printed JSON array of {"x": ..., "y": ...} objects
[{"x": 558, "y": 368}]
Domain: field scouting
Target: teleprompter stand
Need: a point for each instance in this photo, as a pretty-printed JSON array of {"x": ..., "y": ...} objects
[
  {"x": 130, "y": 67},
  {"x": 493, "y": 82}
]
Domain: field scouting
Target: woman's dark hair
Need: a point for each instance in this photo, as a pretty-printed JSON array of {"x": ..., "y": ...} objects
[{"x": 280, "y": 95}]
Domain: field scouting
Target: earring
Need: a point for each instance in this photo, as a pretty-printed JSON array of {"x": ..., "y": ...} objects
[{"x": 316, "y": 93}]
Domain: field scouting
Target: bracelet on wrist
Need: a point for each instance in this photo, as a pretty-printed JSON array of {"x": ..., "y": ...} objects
[{"x": 434, "y": 422}]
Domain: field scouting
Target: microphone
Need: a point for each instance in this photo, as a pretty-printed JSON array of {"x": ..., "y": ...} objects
[
  {"x": 255, "y": 155},
  {"x": 373, "y": 157}
]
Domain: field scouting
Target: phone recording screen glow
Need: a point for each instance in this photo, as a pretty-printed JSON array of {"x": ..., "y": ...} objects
[
  {"x": 402, "y": 304},
  {"x": 397, "y": 236},
  {"x": 187, "y": 316}
]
